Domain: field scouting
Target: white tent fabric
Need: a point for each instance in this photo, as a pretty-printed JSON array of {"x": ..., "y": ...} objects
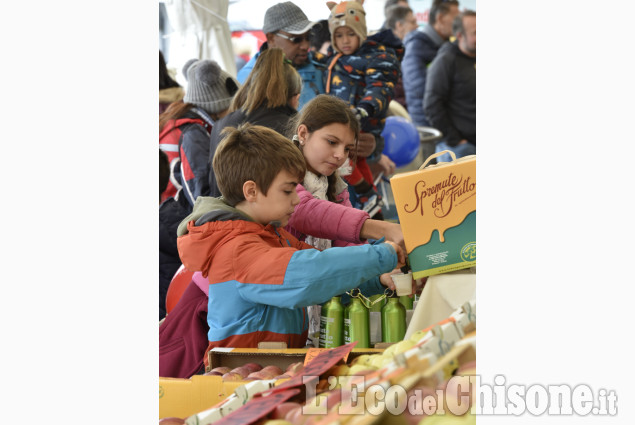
[{"x": 200, "y": 31}]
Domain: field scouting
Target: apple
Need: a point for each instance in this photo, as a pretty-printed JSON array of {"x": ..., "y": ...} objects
[
  {"x": 283, "y": 376},
  {"x": 171, "y": 421},
  {"x": 358, "y": 369},
  {"x": 221, "y": 370},
  {"x": 257, "y": 375},
  {"x": 295, "y": 416},
  {"x": 242, "y": 371},
  {"x": 381, "y": 361},
  {"x": 275, "y": 370},
  {"x": 403, "y": 346},
  {"x": 294, "y": 368},
  {"x": 232, "y": 376},
  {"x": 281, "y": 410},
  {"x": 253, "y": 367},
  {"x": 339, "y": 370},
  {"x": 418, "y": 336},
  {"x": 362, "y": 360}
]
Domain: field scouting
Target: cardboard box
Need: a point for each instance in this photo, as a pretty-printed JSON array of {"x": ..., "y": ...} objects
[
  {"x": 184, "y": 397},
  {"x": 437, "y": 212},
  {"x": 235, "y": 357}
]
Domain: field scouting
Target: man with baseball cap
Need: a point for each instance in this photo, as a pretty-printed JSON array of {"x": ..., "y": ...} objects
[{"x": 287, "y": 28}]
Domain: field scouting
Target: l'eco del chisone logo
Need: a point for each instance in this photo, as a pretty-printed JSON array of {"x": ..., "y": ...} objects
[{"x": 468, "y": 252}]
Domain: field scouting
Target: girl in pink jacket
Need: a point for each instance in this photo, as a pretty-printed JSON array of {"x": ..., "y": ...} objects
[{"x": 326, "y": 131}]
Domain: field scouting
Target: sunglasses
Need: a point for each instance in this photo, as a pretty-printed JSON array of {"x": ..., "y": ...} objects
[{"x": 295, "y": 40}]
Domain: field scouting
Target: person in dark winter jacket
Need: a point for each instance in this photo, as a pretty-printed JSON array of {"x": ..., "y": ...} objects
[
  {"x": 184, "y": 130},
  {"x": 363, "y": 72},
  {"x": 450, "y": 99},
  {"x": 421, "y": 48},
  {"x": 401, "y": 21},
  {"x": 268, "y": 98}
]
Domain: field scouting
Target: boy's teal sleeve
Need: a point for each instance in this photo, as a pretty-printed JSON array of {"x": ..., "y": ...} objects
[{"x": 313, "y": 276}]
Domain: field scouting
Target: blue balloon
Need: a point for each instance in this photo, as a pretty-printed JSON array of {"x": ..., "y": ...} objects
[{"x": 401, "y": 140}]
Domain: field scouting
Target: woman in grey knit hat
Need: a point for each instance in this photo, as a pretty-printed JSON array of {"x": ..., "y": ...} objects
[
  {"x": 184, "y": 132},
  {"x": 184, "y": 128}
]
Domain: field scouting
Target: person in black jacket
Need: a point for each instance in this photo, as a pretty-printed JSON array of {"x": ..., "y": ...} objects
[
  {"x": 450, "y": 99},
  {"x": 421, "y": 48},
  {"x": 269, "y": 97}
]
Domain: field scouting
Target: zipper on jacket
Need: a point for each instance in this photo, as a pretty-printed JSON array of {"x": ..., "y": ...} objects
[{"x": 280, "y": 237}]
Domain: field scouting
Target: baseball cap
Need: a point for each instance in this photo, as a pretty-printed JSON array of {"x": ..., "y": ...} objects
[{"x": 287, "y": 17}]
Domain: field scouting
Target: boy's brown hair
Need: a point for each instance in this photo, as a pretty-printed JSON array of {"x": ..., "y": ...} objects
[{"x": 257, "y": 153}]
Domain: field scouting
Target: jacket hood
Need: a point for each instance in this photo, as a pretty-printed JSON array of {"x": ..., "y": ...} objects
[
  {"x": 387, "y": 39},
  {"x": 173, "y": 94},
  {"x": 211, "y": 224},
  {"x": 213, "y": 209}
]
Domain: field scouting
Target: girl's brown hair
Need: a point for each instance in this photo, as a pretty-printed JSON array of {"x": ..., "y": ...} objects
[
  {"x": 272, "y": 82},
  {"x": 321, "y": 111}
]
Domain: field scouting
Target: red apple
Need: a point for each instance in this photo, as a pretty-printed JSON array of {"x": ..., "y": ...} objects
[
  {"x": 221, "y": 370},
  {"x": 294, "y": 368},
  {"x": 172, "y": 421},
  {"x": 242, "y": 371},
  {"x": 232, "y": 376},
  {"x": 260, "y": 375},
  {"x": 280, "y": 412},
  {"x": 295, "y": 416},
  {"x": 283, "y": 376},
  {"x": 253, "y": 367},
  {"x": 273, "y": 369}
]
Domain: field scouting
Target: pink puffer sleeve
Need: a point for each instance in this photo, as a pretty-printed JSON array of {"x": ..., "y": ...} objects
[{"x": 324, "y": 219}]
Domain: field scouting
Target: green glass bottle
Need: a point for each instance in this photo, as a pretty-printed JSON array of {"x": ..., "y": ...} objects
[
  {"x": 357, "y": 324},
  {"x": 393, "y": 320},
  {"x": 332, "y": 323},
  {"x": 406, "y": 301}
]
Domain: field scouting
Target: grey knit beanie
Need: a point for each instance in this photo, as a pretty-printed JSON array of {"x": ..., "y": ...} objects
[{"x": 208, "y": 86}]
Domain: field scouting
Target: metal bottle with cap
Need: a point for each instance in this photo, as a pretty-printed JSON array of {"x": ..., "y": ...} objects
[
  {"x": 357, "y": 323},
  {"x": 406, "y": 301},
  {"x": 332, "y": 323},
  {"x": 393, "y": 320}
]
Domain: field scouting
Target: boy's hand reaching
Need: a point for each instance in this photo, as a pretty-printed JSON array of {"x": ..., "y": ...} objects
[{"x": 401, "y": 256}]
